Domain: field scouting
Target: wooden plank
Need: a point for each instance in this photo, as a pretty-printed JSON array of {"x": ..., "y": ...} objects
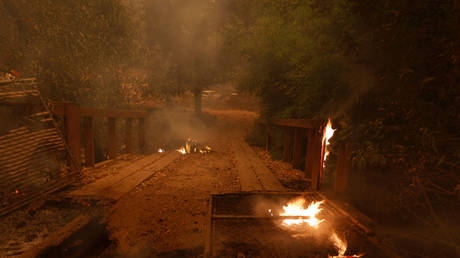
[
  {"x": 298, "y": 149},
  {"x": 24, "y": 136},
  {"x": 299, "y": 123},
  {"x": 343, "y": 169},
  {"x": 141, "y": 134},
  {"x": 113, "y": 187},
  {"x": 72, "y": 127},
  {"x": 288, "y": 142},
  {"x": 13, "y": 148},
  {"x": 97, "y": 186},
  {"x": 117, "y": 190},
  {"x": 112, "y": 138},
  {"x": 128, "y": 135},
  {"x": 88, "y": 134},
  {"x": 254, "y": 175},
  {"x": 120, "y": 113}
]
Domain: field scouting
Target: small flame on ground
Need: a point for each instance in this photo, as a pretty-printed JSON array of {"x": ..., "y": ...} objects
[
  {"x": 339, "y": 244},
  {"x": 327, "y": 135},
  {"x": 297, "y": 208},
  {"x": 182, "y": 150},
  {"x": 16, "y": 191},
  {"x": 161, "y": 150}
]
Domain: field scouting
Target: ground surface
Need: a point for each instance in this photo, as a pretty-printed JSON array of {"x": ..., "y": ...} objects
[{"x": 166, "y": 215}]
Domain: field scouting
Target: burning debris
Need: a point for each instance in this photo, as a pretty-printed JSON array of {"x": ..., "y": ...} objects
[
  {"x": 308, "y": 216},
  {"x": 160, "y": 150},
  {"x": 192, "y": 146},
  {"x": 297, "y": 208},
  {"x": 328, "y": 133}
]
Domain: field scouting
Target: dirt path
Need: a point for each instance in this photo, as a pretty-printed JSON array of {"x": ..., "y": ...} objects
[{"x": 166, "y": 215}]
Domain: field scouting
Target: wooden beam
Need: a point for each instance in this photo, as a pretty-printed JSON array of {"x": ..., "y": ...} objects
[
  {"x": 299, "y": 123},
  {"x": 112, "y": 140},
  {"x": 299, "y": 143},
  {"x": 288, "y": 140},
  {"x": 141, "y": 134},
  {"x": 88, "y": 135},
  {"x": 57, "y": 108},
  {"x": 128, "y": 135},
  {"x": 343, "y": 169},
  {"x": 72, "y": 128}
]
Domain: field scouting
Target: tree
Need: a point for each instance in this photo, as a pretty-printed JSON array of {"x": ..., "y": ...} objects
[
  {"x": 75, "y": 48},
  {"x": 183, "y": 35},
  {"x": 385, "y": 71}
]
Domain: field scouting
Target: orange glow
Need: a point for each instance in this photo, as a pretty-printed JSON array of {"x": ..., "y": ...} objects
[
  {"x": 339, "y": 244},
  {"x": 297, "y": 208},
  {"x": 182, "y": 150},
  {"x": 329, "y": 132}
]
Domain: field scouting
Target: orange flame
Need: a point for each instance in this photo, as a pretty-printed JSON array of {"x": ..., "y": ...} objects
[
  {"x": 327, "y": 135},
  {"x": 161, "y": 150},
  {"x": 296, "y": 208},
  {"x": 182, "y": 150},
  {"x": 339, "y": 244}
]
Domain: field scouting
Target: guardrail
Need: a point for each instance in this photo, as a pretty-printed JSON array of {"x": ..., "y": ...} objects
[
  {"x": 299, "y": 132},
  {"x": 73, "y": 113}
]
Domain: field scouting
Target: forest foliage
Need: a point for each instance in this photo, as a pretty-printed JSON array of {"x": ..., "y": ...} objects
[
  {"x": 76, "y": 49},
  {"x": 385, "y": 71}
]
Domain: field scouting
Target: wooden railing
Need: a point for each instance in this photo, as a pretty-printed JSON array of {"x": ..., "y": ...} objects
[
  {"x": 73, "y": 113},
  {"x": 299, "y": 132}
]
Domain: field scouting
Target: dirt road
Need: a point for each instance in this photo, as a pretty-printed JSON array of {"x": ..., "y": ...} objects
[{"x": 166, "y": 215}]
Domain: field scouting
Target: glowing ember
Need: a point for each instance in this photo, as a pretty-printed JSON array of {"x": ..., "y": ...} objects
[
  {"x": 327, "y": 135},
  {"x": 339, "y": 244},
  {"x": 16, "y": 191},
  {"x": 297, "y": 208},
  {"x": 161, "y": 150},
  {"x": 182, "y": 150}
]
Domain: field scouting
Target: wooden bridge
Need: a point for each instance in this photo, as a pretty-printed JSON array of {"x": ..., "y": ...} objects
[{"x": 68, "y": 140}]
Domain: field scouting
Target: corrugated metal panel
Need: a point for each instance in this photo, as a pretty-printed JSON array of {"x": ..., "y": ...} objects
[{"x": 32, "y": 156}]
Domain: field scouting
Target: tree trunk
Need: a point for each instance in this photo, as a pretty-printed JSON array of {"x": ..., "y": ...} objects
[{"x": 197, "y": 95}]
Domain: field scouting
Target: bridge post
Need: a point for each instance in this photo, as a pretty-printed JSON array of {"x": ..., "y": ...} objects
[
  {"x": 313, "y": 158},
  {"x": 343, "y": 169},
  {"x": 72, "y": 128},
  {"x": 288, "y": 139},
  {"x": 267, "y": 137},
  {"x": 88, "y": 135},
  {"x": 299, "y": 141},
  {"x": 128, "y": 135},
  {"x": 141, "y": 134},
  {"x": 112, "y": 138}
]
